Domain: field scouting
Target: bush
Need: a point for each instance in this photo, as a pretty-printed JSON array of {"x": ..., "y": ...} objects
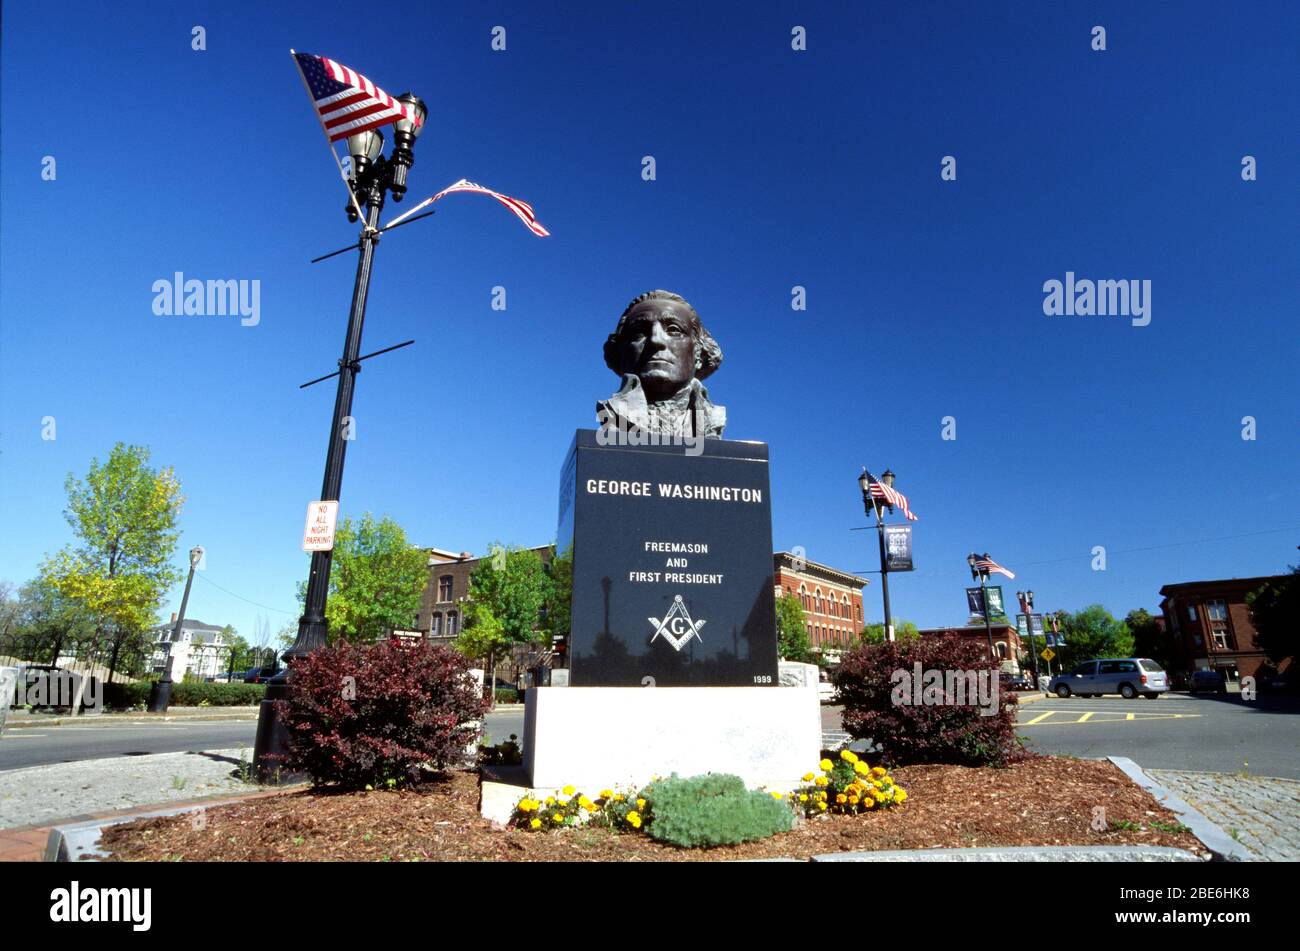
[
  {"x": 938, "y": 730},
  {"x": 118, "y": 696},
  {"x": 711, "y": 810},
  {"x": 507, "y": 695},
  {"x": 366, "y": 714},
  {"x": 217, "y": 695}
]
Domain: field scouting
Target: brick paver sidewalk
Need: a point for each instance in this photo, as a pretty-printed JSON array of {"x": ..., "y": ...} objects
[{"x": 1260, "y": 812}]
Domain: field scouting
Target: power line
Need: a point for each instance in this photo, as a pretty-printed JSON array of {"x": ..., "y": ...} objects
[
  {"x": 242, "y": 598},
  {"x": 1118, "y": 551}
]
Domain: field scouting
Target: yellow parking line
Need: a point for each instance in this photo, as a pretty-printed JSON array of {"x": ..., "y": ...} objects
[
  {"x": 1085, "y": 718},
  {"x": 1130, "y": 716},
  {"x": 1039, "y": 719}
]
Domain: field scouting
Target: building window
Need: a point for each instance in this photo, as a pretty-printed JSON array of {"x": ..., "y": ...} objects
[
  {"x": 1216, "y": 610},
  {"x": 435, "y": 625},
  {"x": 1191, "y": 612},
  {"x": 444, "y": 589},
  {"x": 451, "y": 623}
]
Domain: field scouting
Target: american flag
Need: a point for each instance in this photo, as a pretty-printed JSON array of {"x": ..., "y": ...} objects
[
  {"x": 891, "y": 497},
  {"x": 521, "y": 208},
  {"x": 347, "y": 102},
  {"x": 987, "y": 564}
]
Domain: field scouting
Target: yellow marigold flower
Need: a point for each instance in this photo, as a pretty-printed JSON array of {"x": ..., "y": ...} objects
[
  {"x": 848, "y": 756},
  {"x": 900, "y": 795},
  {"x": 550, "y": 800},
  {"x": 821, "y": 796},
  {"x": 562, "y": 802},
  {"x": 606, "y": 794},
  {"x": 568, "y": 790},
  {"x": 640, "y": 803},
  {"x": 535, "y": 824},
  {"x": 825, "y": 765},
  {"x": 634, "y": 819},
  {"x": 822, "y": 780},
  {"x": 853, "y": 800},
  {"x": 841, "y": 799},
  {"x": 861, "y": 768},
  {"x": 877, "y": 795},
  {"x": 556, "y": 817},
  {"x": 803, "y": 797},
  {"x": 879, "y": 770},
  {"x": 618, "y": 797},
  {"x": 776, "y": 795},
  {"x": 868, "y": 803},
  {"x": 807, "y": 777},
  {"x": 821, "y": 805}
]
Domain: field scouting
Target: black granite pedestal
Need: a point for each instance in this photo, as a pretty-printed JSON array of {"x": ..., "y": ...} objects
[{"x": 669, "y": 549}]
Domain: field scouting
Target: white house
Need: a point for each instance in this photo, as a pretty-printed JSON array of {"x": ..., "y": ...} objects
[{"x": 201, "y": 650}]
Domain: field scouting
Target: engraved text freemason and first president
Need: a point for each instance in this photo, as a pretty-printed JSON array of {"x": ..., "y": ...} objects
[{"x": 662, "y": 352}]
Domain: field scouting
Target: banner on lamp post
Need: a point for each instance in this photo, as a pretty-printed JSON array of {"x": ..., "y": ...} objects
[
  {"x": 898, "y": 547},
  {"x": 975, "y": 601}
]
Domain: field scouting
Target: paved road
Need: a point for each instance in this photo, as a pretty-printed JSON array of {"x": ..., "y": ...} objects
[
  {"x": 1204, "y": 732},
  {"x": 38, "y": 746}
]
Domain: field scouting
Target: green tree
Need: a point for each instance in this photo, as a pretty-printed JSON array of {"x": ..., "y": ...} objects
[
  {"x": 1093, "y": 632},
  {"x": 874, "y": 633},
  {"x": 1148, "y": 639},
  {"x": 1275, "y": 612},
  {"x": 792, "y": 630},
  {"x": 124, "y": 517},
  {"x": 508, "y": 591},
  {"x": 376, "y": 580},
  {"x": 235, "y": 651}
]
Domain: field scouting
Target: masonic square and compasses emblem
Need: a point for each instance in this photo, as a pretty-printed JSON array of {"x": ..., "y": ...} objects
[{"x": 677, "y": 626}]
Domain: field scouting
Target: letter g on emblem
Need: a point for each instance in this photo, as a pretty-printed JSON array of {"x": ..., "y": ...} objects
[{"x": 676, "y": 627}]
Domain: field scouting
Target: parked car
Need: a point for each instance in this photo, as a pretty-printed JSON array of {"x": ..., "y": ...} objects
[
  {"x": 260, "y": 675},
  {"x": 1010, "y": 681},
  {"x": 1127, "y": 676},
  {"x": 1207, "y": 680}
]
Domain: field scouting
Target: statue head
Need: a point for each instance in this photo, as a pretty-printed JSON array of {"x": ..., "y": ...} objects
[{"x": 660, "y": 340}]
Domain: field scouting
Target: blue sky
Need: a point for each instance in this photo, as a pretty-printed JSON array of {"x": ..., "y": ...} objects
[{"x": 775, "y": 168}]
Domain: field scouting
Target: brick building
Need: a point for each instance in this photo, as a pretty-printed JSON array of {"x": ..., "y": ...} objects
[
  {"x": 1209, "y": 627},
  {"x": 832, "y": 600},
  {"x": 442, "y": 605},
  {"x": 1006, "y": 640}
]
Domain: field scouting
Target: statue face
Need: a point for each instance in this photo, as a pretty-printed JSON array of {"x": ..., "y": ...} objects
[{"x": 658, "y": 346}]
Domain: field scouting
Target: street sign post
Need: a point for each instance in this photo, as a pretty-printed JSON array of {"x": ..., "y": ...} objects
[
  {"x": 318, "y": 534},
  {"x": 1047, "y": 654}
]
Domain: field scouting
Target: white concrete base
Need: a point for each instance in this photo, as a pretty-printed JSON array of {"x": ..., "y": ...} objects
[{"x": 601, "y": 737}]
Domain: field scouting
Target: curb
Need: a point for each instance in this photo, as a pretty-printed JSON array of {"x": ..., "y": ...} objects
[
  {"x": 117, "y": 719},
  {"x": 1223, "y": 847},
  {"x": 1023, "y": 853},
  {"x": 76, "y": 841}
]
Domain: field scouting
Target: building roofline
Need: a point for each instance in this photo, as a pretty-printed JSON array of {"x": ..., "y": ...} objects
[
  {"x": 850, "y": 579},
  {"x": 1183, "y": 585}
]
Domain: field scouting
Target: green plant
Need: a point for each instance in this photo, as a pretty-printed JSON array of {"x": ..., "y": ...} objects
[
  {"x": 503, "y": 754},
  {"x": 1172, "y": 827},
  {"x": 178, "y": 782},
  {"x": 711, "y": 810},
  {"x": 1124, "y": 825}
]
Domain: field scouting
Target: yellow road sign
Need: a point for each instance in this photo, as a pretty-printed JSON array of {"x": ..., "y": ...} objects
[{"x": 1047, "y": 653}]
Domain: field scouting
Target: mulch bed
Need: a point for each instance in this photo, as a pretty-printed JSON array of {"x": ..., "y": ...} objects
[{"x": 1044, "y": 801}]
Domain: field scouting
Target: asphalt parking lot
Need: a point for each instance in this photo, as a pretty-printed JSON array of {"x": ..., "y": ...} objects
[{"x": 1205, "y": 732}]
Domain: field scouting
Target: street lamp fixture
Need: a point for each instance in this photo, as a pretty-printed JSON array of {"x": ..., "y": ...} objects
[
  {"x": 874, "y": 505},
  {"x": 160, "y": 694},
  {"x": 373, "y": 178},
  {"x": 982, "y": 574}
]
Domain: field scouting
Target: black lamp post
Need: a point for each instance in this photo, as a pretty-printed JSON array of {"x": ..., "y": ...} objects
[
  {"x": 982, "y": 574},
  {"x": 1027, "y": 609},
  {"x": 874, "y": 505},
  {"x": 160, "y": 694},
  {"x": 372, "y": 177}
]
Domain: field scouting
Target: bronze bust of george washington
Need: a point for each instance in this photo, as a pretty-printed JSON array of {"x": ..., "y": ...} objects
[{"x": 662, "y": 352}]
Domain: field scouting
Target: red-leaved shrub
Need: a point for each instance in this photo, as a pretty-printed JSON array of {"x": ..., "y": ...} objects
[
  {"x": 365, "y": 714},
  {"x": 880, "y": 704}
]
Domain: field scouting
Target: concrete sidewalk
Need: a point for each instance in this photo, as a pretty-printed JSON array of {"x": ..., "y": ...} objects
[{"x": 41, "y": 796}]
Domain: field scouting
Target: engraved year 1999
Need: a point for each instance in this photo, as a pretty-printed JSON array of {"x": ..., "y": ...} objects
[{"x": 762, "y": 678}]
